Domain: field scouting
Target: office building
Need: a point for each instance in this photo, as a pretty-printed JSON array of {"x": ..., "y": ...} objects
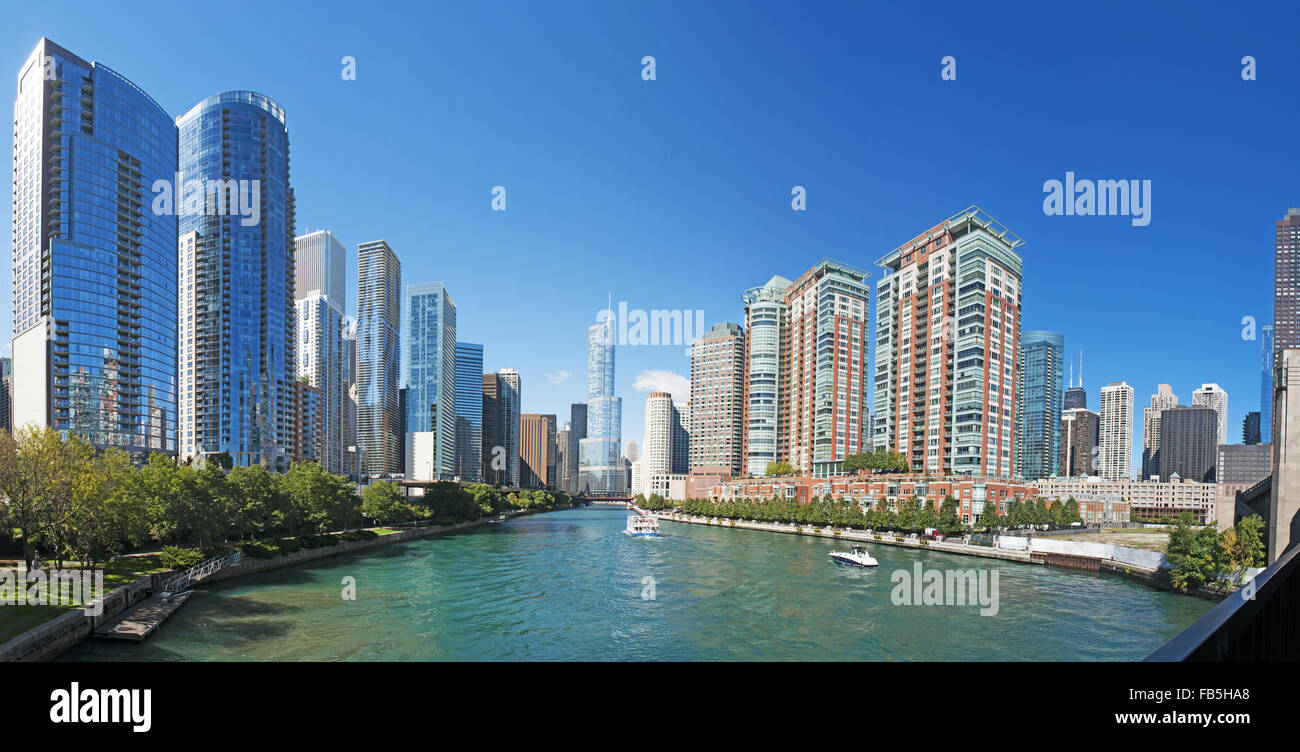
[
  {"x": 1162, "y": 400},
  {"x": 1040, "y": 392},
  {"x": 511, "y": 400},
  {"x": 1187, "y": 443},
  {"x": 429, "y": 370},
  {"x": 378, "y": 358},
  {"x": 1115, "y": 440},
  {"x": 94, "y": 256},
  {"x": 577, "y": 432},
  {"x": 537, "y": 450},
  {"x": 1080, "y": 428},
  {"x": 947, "y": 340},
  {"x": 1250, "y": 433},
  {"x": 469, "y": 412},
  {"x": 321, "y": 264},
  {"x": 1239, "y": 467}
]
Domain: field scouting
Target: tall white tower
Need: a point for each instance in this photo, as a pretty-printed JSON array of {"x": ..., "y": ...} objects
[
  {"x": 1115, "y": 443},
  {"x": 1213, "y": 397}
]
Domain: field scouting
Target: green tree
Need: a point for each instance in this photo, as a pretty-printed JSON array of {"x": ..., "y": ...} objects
[
  {"x": 1193, "y": 553},
  {"x": 779, "y": 468},
  {"x": 949, "y": 520},
  {"x": 254, "y": 502},
  {"x": 384, "y": 502}
]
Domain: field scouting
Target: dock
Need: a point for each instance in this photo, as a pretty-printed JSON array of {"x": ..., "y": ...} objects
[{"x": 140, "y": 621}]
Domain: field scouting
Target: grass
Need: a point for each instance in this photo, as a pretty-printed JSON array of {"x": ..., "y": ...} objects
[{"x": 1146, "y": 539}]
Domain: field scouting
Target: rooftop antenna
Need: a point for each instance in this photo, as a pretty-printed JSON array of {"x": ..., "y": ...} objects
[
  {"x": 1080, "y": 366},
  {"x": 1071, "y": 374}
]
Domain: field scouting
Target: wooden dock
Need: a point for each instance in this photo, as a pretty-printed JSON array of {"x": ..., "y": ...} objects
[{"x": 139, "y": 621}]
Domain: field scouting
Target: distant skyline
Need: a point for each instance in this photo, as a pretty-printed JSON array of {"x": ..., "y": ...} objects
[{"x": 676, "y": 193}]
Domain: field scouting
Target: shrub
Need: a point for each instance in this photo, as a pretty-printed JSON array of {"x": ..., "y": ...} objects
[
  {"x": 261, "y": 549},
  {"x": 359, "y": 535},
  {"x": 175, "y": 557},
  {"x": 316, "y": 541}
]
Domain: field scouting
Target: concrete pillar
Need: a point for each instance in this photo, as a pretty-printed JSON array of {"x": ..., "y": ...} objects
[{"x": 1284, "y": 505}]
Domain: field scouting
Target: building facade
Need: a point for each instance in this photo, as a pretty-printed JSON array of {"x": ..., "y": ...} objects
[
  {"x": 1250, "y": 433},
  {"x": 1148, "y": 499},
  {"x": 1213, "y": 397},
  {"x": 1115, "y": 439},
  {"x": 765, "y": 315},
  {"x": 1163, "y": 399},
  {"x": 718, "y": 400},
  {"x": 321, "y": 264},
  {"x": 1040, "y": 392},
  {"x": 660, "y": 422},
  {"x": 537, "y": 450},
  {"x": 947, "y": 344},
  {"x": 1080, "y": 429},
  {"x": 511, "y": 400},
  {"x": 1188, "y": 443},
  {"x": 577, "y": 432},
  {"x": 469, "y": 412},
  {"x": 321, "y": 363},
  {"x": 94, "y": 260},
  {"x": 378, "y": 358},
  {"x": 429, "y": 363},
  {"x": 601, "y": 470}
]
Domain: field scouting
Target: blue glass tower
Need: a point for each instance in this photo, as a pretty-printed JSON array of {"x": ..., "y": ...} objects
[
  {"x": 1038, "y": 417},
  {"x": 600, "y": 469},
  {"x": 430, "y": 372},
  {"x": 469, "y": 411},
  {"x": 237, "y": 210},
  {"x": 94, "y": 256}
]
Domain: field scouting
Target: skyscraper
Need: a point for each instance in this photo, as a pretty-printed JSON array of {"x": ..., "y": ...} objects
[
  {"x": 469, "y": 412},
  {"x": 429, "y": 372},
  {"x": 379, "y": 315},
  {"x": 94, "y": 256},
  {"x": 1162, "y": 400},
  {"x": 245, "y": 355},
  {"x": 1115, "y": 443},
  {"x": 1188, "y": 448},
  {"x": 321, "y": 362},
  {"x": 494, "y": 465},
  {"x": 718, "y": 401},
  {"x": 6, "y": 396},
  {"x": 947, "y": 339},
  {"x": 765, "y": 313},
  {"x": 1250, "y": 433},
  {"x": 537, "y": 450},
  {"x": 822, "y": 413},
  {"x": 577, "y": 432},
  {"x": 660, "y": 420},
  {"x": 321, "y": 264},
  {"x": 1079, "y": 432},
  {"x": 601, "y": 470},
  {"x": 1213, "y": 397},
  {"x": 511, "y": 399},
  {"x": 1038, "y": 434},
  {"x": 681, "y": 454}
]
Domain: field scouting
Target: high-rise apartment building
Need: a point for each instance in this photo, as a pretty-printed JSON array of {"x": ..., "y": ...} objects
[
  {"x": 661, "y": 420},
  {"x": 822, "y": 411},
  {"x": 1162, "y": 400},
  {"x": 561, "y": 458},
  {"x": 1115, "y": 442},
  {"x": 469, "y": 412},
  {"x": 321, "y": 264},
  {"x": 765, "y": 315},
  {"x": 1080, "y": 428},
  {"x": 241, "y": 400},
  {"x": 321, "y": 362},
  {"x": 353, "y": 456},
  {"x": 1188, "y": 443},
  {"x": 1213, "y": 397},
  {"x": 717, "y": 401},
  {"x": 379, "y": 316},
  {"x": 1038, "y": 434},
  {"x": 681, "y": 458},
  {"x": 94, "y": 262},
  {"x": 537, "y": 450},
  {"x": 947, "y": 341},
  {"x": 601, "y": 470},
  {"x": 429, "y": 372}
]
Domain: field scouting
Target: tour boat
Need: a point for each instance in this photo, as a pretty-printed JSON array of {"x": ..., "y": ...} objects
[
  {"x": 856, "y": 556},
  {"x": 642, "y": 527}
]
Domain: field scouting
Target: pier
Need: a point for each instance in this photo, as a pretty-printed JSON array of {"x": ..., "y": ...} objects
[{"x": 138, "y": 622}]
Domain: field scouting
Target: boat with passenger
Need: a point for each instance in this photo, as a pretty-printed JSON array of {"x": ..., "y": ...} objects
[
  {"x": 642, "y": 527},
  {"x": 857, "y": 556}
]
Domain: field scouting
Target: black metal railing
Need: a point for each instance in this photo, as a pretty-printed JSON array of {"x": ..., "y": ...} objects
[{"x": 1258, "y": 622}]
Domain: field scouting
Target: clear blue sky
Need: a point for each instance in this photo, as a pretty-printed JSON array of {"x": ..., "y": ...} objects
[{"x": 675, "y": 193}]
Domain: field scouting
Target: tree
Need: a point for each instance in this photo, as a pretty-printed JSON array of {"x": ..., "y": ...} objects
[
  {"x": 1192, "y": 553},
  {"x": 36, "y": 481},
  {"x": 779, "y": 468},
  {"x": 254, "y": 502},
  {"x": 949, "y": 520},
  {"x": 1241, "y": 547},
  {"x": 384, "y": 502}
]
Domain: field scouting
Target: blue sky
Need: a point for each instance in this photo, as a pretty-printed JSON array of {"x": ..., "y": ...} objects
[{"x": 675, "y": 193}]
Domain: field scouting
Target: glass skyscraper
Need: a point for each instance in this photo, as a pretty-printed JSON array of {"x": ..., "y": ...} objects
[
  {"x": 429, "y": 373},
  {"x": 765, "y": 312},
  {"x": 94, "y": 255},
  {"x": 238, "y": 357},
  {"x": 600, "y": 469},
  {"x": 378, "y": 357},
  {"x": 469, "y": 411},
  {"x": 1038, "y": 433}
]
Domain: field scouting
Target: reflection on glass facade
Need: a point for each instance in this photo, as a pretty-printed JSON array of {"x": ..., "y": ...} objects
[
  {"x": 94, "y": 263},
  {"x": 764, "y": 317},
  {"x": 430, "y": 371},
  {"x": 321, "y": 364},
  {"x": 1038, "y": 435},
  {"x": 469, "y": 411},
  {"x": 378, "y": 357},
  {"x": 238, "y": 359},
  {"x": 601, "y": 471}
]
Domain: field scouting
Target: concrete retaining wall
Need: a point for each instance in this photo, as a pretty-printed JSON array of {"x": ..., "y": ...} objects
[{"x": 51, "y": 639}]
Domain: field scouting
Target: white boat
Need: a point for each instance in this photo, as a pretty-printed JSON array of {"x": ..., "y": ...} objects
[
  {"x": 642, "y": 527},
  {"x": 856, "y": 556}
]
